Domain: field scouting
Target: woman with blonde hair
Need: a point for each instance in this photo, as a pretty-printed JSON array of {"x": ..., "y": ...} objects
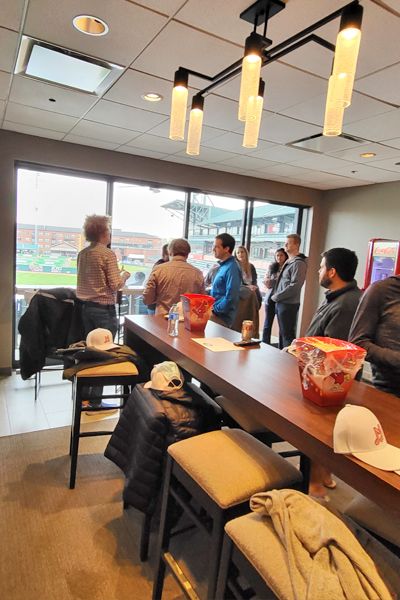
[{"x": 249, "y": 273}]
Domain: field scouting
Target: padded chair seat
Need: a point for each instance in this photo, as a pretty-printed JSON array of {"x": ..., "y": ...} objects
[
  {"x": 115, "y": 370},
  {"x": 247, "y": 464},
  {"x": 255, "y": 537},
  {"x": 370, "y": 516}
]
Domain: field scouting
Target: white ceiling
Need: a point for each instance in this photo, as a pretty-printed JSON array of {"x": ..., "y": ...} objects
[{"x": 152, "y": 38}]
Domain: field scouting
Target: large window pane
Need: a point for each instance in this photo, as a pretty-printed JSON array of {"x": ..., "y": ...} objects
[{"x": 209, "y": 216}]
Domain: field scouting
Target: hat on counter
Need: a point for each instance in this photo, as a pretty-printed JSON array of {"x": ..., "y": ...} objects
[
  {"x": 101, "y": 339},
  {"x": 358, "y": 432},
  {"x": 165, "y": 376}
]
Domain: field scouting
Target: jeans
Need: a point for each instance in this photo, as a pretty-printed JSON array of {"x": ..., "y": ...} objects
[
  {"x": 287, "y": 319},
  {"x": 269, "y": 319},
  {"x": 95, "y": 317}
]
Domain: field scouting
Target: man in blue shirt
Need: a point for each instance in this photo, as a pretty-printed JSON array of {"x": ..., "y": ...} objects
[{"x": 226, "y": 284}]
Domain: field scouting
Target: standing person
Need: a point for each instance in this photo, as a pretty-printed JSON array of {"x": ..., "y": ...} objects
[
  {"x": 376, "y": 328},
  {"x": 171, "y": 279},
  {"x": 99, "y": 279},
  {"x": 151, "y": 309},
  {"x": 226, "y": 285},
  {"x": 270, "y": 282},
  {"x": 333, "y": 319},
  {"x": 288, "y": 288},
  {"x": 249, "y": 273}
]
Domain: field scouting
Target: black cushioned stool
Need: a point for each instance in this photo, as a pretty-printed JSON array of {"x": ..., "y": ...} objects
[
  {"x": 122, "y": 374},
  {"x": 221, "y": 470}
]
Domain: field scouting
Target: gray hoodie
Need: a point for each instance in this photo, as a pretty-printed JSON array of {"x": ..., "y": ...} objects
[{"x": 291, "y": 280}]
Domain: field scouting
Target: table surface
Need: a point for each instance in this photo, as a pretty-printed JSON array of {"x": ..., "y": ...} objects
[{"x": 262, "y": 385}]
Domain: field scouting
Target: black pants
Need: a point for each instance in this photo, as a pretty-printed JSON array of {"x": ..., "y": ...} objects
[
  {"x": 287, "y": 319},
  {"x": 269, "y": 319},
  {"x": 94, "y": 317}
]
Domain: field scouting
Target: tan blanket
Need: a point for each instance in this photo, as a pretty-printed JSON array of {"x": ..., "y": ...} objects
[{"x": 325, "y": 560}]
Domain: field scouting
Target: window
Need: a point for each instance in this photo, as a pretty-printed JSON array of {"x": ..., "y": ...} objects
[{"x": 47, "y": 246}]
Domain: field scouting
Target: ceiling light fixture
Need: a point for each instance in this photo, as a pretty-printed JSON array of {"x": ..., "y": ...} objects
[
  {"x": 195, "y": 125},
  {"x": 367, "y": 155},
  {"x": 90, "y": 25},
  {"x": 257, "y": 54},
  {"x": 152, "y": 97}
]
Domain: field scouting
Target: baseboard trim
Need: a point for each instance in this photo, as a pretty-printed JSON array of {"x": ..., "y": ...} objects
[{"x": 5, "y": 371}]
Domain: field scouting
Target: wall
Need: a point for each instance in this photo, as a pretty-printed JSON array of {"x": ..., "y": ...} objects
[
  {"x": 357, "y": 215},
  {"x": 15, "y": 146}
]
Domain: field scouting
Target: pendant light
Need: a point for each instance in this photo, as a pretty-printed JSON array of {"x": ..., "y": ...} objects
[
  {"x": 252, "y": 128},
  {"x": 333, "y": 116},
  {"x": 346, "y": 54},
  {"x": 251, "y": 68},
  {"x": 195, "y": 125},
  {"x": 179, "y": 105}
]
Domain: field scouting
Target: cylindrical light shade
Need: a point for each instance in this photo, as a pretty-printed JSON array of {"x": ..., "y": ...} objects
[
  {"x": 195, "y": 125},
  {"x": 333, "y": 116},
  {"x": 346, "y": 55},
  {"x": 179, "y": 105},
  {"x": 251, "y": 67},
  {"x": 252, "y": 128}
]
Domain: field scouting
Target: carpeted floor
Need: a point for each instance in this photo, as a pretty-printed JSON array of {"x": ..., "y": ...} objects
[{"x": 61, "y": 544}]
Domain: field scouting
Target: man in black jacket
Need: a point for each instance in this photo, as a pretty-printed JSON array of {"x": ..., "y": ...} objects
[{"x": 335, "y": 315}]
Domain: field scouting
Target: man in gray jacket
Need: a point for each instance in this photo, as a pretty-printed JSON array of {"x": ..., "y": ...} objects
[
  {"x": 287, "y": 294},
  {"x": 335, "y": 315}
]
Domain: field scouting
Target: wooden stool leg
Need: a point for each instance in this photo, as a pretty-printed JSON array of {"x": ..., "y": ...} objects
[
  {"x": 305, "y": 466},
  {"x": 164, "y": 534},
  {"x": 224, "y": 567},
  {"x": 215, "y": 554},
  {"x": 145, "y": 538},
  {"x": 73, "y": 415},
  {"x": 75, "y": 434}
]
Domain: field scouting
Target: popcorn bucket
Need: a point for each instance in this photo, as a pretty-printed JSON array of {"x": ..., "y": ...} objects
[
  {"x": 327, "y": 368},
  {"x": 196, "y": 310}
]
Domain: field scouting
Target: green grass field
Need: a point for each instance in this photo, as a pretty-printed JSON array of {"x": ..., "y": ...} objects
[{"x": 55, "y": 279}]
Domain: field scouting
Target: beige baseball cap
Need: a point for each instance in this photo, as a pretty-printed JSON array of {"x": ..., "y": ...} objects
[
  {"x": 101, "y": 339},
  {"x": 165, "y": 376}
]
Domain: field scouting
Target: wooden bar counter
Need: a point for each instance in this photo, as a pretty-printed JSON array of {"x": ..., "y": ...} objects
[{"x": 262, "y": 385}]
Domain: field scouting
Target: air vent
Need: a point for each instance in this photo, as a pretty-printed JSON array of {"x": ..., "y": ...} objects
[
  {"x": 64, "y": 68},
  {"x": 321, "y": 144}
]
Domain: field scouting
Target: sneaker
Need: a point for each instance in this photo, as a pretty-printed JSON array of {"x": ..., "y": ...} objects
[{"x": 108, "y": 411}]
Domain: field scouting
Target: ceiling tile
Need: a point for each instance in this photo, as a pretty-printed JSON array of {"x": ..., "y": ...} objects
[
  {"x": 380, "y": 150},
  {"x": 141, "y": 152},
  {"x": 210, "y": 155},
  {"x": 11, "y": 14},
  {"x": 395, "y": 4},
  {"x": 8, "y": 49},
  {"x": 207, "y": 133},
  {"x": 4, "y": 84},
  {"x": 188, "y": 48},
  {"x": 377, "y": 129},
  {"x": 168, "y": 7},
  {"x": 383, "y": 85},
  {"x": 132, "y": 85},
  {"x": 366, "y": 173},
  {"x": 321, "y": 162},
  {"x": 120, "y": 115},
  {"x": 2, "y": 109},
  {"x": 185, "y": 161},
  {"x": 312, "y": 58},
  {"x": 131, "y": 27},
  {"x": 282, "y": 130},
  {"x": 220, "y": 112},
  {"x": 36, "y": 94},
  {"x": 245, "y": 162},
  {"x": 286, "y": 171},
  {"x": 157, "y": 144},
  {"x": 30, "y": 130},
  {"x": 98, "y": 131},
  {"x": 388, "y": 163},
  {"x": 225, "y": 168},
  {"x": 393, "y": 143},
  {"x": 233, "y": 142},
  {"x": 17, "y": 113},
  {"x": 281, "y": 154},
  {"x": 83, "y": 141}
]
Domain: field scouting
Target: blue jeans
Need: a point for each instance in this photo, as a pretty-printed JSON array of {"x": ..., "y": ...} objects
[
  {"x": 287, "y": 319},
  {"x": 95, "y": 317}
]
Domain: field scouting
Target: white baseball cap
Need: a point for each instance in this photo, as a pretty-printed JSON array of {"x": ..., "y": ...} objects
[
  {"x": 165, "y": 376},
  {"x": 358, "y": 432},
  {"x": 101, "y": 339}
]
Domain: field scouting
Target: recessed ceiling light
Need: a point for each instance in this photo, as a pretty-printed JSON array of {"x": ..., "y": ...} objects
[
  {"x": 367, "y": 155},
  {"x": 152, "y": 97},
  {"x": 90, "y": 25}
]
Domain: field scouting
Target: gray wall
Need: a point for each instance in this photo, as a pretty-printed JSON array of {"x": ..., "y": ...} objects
[
  {"x": 15, "y": 146},
  {"x": 357, "y": 215}
]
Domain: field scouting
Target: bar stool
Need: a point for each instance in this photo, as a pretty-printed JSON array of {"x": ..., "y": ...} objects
[
  {"x": 220, "y": 470},
  {"x": 122, "y": 374}
]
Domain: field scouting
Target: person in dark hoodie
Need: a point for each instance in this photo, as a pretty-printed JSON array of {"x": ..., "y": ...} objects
[{"x": 287, "y": 293}]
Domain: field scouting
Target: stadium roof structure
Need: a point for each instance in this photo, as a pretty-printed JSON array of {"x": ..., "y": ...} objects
[
  {"x": 79, "y": 230},
  {"x": 260, "y": 214}
]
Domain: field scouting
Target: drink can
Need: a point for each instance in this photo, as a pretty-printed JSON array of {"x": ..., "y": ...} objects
[{"x": 247, "y": 330}]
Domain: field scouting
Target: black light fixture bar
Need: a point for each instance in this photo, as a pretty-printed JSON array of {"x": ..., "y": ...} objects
[{"x": 278, "y": 51}]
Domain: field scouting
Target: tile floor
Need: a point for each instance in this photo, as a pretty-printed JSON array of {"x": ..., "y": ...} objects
[{"x": 19, "y": 413}]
